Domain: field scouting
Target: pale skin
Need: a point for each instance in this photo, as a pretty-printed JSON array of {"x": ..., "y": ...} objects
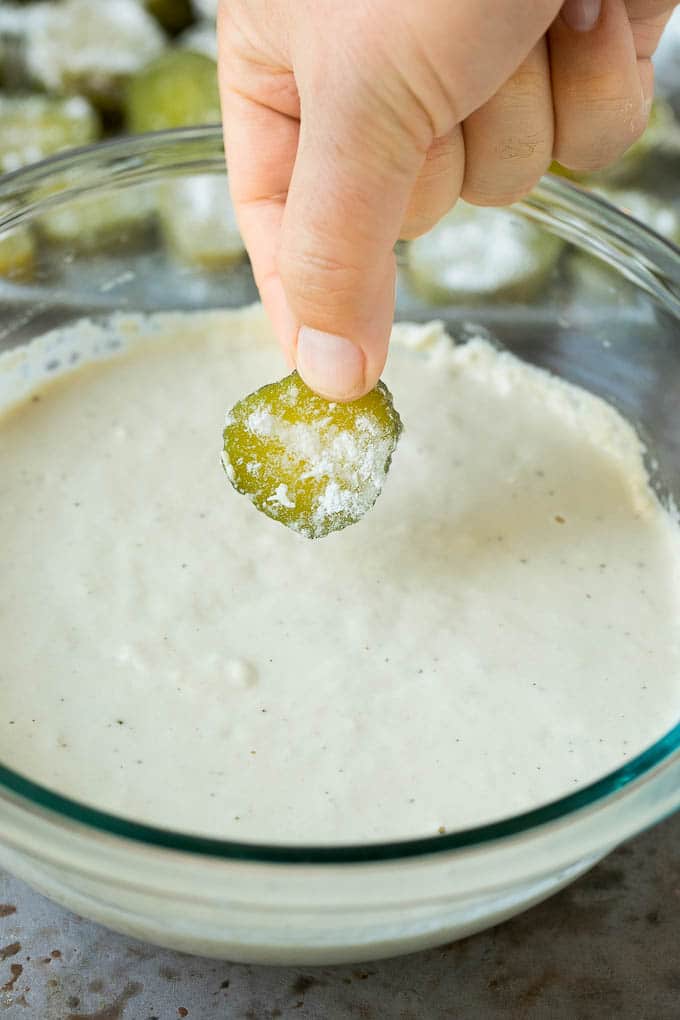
[{"x": 351, "y": 125}]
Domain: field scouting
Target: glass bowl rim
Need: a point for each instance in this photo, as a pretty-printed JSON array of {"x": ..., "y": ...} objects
[{"x": 660, "y": 261}]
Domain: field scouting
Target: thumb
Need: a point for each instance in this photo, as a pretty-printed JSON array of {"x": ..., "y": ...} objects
[{"x": 348, "y": 195}]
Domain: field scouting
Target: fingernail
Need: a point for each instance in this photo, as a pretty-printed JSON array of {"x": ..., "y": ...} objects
[
  {"x": 330, "y": 365},
  {"x": 581, "y": 15}
]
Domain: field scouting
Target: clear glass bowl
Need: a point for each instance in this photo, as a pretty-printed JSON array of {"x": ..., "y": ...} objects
[{"x": 607, "y": 317}]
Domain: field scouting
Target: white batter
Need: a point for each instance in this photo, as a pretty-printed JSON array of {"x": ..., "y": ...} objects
[{"x": 501, "y": 628}]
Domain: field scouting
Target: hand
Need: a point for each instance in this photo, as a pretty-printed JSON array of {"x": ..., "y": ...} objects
[{"x": 350, "y": 125}]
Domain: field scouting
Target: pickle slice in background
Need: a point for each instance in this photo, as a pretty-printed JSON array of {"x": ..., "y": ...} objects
[
  {"x": 198, "y": 222},
  {"x": 90, "y": 47},
  {"x": 103, "y": 221},
  {"x": 35, "y": 126},
  {"x": 478, "y": 254},
  {"x": 178, "y": 89}
]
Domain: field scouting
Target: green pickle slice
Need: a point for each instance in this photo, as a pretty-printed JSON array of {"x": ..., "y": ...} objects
[
  {"x": 178, "y": 89},
  {"x": 309, "y": 463}
]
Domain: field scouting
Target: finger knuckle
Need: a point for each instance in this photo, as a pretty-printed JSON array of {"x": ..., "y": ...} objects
[
  {"x": 614, "y": 121},
  {"x": 532, "y": 149},
  {"x": 495, "y": 196},
  {"x": 597, "y": 153},
  {"x": 514, "y": 172}
]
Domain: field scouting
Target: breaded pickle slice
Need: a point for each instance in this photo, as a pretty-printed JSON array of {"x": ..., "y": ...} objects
[
  {"x": 198, "y": 221},
  {"x": 102, "y": 221},
  {"x": 478, "y": 254},
  {"x": 311, "y": 464},
  {"x": 178, "y": 89},
  {"x": 90, "y": 48},
  {"x": 35, "y": 126}
]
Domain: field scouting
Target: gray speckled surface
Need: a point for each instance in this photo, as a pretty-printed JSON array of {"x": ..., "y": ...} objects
[{"x": 606, "y": 947}]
